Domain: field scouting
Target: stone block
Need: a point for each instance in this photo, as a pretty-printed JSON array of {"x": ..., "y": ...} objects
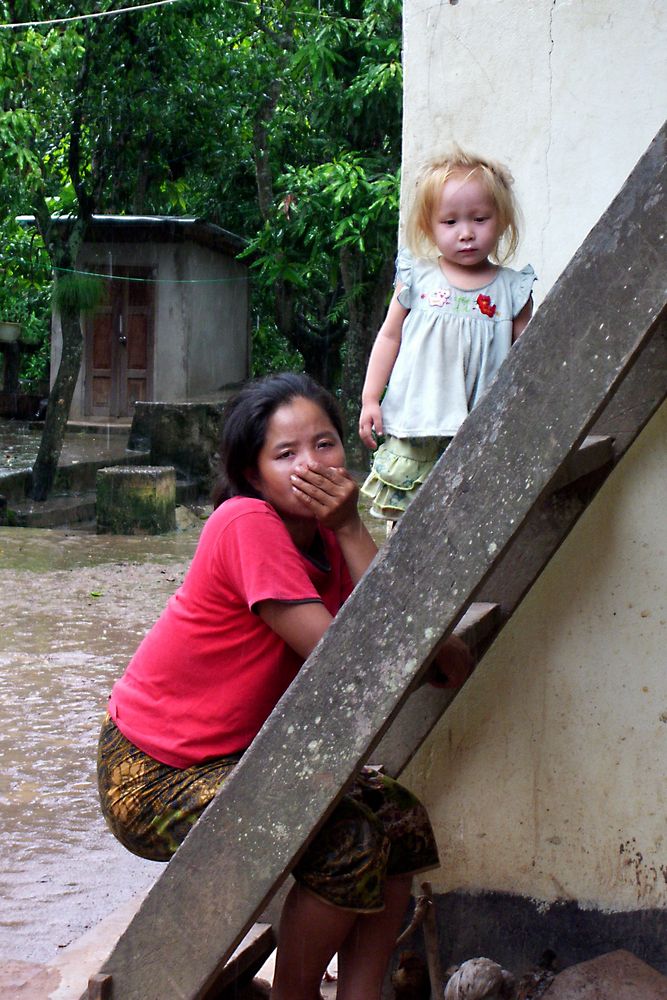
[
  {"x": 185, "y": 435},
  {"x": 134, "y": 500},
  {"x": 618, "y": 975}
]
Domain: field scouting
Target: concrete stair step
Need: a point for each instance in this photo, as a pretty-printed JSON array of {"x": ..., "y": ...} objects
[
  {"x": 57, "y": 512},
  {"x": 77, "y": 508}
]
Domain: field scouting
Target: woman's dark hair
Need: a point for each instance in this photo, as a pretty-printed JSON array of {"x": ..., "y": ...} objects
[{"x": 245, "y": 420}]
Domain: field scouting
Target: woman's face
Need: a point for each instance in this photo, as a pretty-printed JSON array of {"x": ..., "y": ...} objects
[{"x": 298, "y": 434}]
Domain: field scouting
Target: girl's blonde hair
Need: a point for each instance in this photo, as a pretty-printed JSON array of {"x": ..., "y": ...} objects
[{"x": 497, "y": 181}]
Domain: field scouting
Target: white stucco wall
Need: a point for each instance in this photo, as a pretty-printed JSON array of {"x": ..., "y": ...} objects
[
  {"x": 217, "y": 323},
  {"x": 567, "y": 93},
  {"x": 546, "y": 777}
]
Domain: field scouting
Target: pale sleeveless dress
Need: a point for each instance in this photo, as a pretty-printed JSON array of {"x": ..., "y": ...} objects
[{"x": 452, "y": 345}]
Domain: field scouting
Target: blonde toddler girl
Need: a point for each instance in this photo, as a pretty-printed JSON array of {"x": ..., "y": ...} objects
[{"x": 454, "y": 314}]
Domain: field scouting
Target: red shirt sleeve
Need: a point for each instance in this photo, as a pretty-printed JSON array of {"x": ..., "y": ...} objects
[{"x": 260, "y": 561}]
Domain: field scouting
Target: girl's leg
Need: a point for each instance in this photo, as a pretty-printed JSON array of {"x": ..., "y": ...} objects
[
  {"x": 311, "y": 932},
  {"x": 364, "y": 955}
]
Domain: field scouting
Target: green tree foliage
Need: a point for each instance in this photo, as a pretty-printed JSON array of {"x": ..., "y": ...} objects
[
  {"x": 279, "y": 122},
  {"x": 83, "y": 106},
  {"x": 321, "y": 110},
  {"x": 24, "y": 291}
]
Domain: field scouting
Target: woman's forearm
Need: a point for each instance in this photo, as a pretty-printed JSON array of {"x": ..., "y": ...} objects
[
  {"x": 357, "y": 546},
  {"x": 332, "y": 495}
]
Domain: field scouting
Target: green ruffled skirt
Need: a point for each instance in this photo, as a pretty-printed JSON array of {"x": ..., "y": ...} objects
[{"x": 400, "y": 466}]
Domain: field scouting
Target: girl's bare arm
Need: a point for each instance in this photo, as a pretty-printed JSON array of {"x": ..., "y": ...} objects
[
  {"x": 380, "y": 364},
  {"x": 521, "y": 321}
]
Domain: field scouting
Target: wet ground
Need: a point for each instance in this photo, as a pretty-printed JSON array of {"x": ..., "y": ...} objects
[
  {"x": 19, "y": 443},
  {"x": 74, "y": 606}
]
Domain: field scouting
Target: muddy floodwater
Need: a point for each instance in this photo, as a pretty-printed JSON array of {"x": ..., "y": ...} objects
[
  {"x": 19, "y": 443},
  {"x": 74, "y": 606}
]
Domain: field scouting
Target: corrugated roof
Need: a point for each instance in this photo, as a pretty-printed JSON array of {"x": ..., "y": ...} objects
[{"x": 161, "y": 228}]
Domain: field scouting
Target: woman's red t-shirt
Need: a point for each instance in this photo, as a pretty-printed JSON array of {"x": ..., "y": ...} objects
[{"x": 210, "y": 671}]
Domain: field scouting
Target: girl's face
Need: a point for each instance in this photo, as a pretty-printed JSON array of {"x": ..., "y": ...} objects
[
  {"x": 465, "y": 222},
  {"x": 298, "y": 433}
]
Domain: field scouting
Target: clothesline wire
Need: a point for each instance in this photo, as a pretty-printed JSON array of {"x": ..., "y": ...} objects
[
  {"x": 88, "y": 17},
  {"x": 8, "y": 26},
  {"x": 151, "y": 281}
]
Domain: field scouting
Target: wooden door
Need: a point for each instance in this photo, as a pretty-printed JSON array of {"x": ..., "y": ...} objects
[{"x": 119, "y": 344}]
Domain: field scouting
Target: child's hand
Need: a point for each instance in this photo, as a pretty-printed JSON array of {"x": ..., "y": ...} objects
[
  {"x": 370, "y": 420},
  {"x": 330, "y": 494}
]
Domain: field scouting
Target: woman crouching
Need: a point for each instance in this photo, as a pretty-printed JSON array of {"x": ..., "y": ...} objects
[{"x": 276, "y": 560}]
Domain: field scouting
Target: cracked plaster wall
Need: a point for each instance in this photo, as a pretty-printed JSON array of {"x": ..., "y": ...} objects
[{"x": 546, "y": 777}]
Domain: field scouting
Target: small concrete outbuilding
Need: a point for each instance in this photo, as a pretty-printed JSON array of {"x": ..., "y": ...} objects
[{"x": 172, "y": 323}]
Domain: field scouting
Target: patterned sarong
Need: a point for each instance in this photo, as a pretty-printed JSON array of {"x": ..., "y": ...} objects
[{"x": 378, "y": 829}]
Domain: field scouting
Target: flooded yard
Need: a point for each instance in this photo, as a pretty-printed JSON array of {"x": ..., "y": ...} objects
[
  {"x": 74, "y": 606},
  {"x": 19, "y": 443}
]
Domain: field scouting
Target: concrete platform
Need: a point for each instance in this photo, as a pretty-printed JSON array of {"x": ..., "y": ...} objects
[
  {"x": 78, "y": 510},
  {"x": 89, "y": 446},
  {"x": 56, "y": 512},
  {"x": 67, "y": 977},
  {"x": 111, "y": 425}
]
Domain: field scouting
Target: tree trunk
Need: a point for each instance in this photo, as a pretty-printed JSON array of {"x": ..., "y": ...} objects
[
  {"x": 263, "y": 169},
  {"x": 62, "y": 244},
  {"x": 366, "y": 312},
  {"x": 316, "y": 359},
  {"x": 57, "y": 411},
  {"x": 318, "y": 344}
]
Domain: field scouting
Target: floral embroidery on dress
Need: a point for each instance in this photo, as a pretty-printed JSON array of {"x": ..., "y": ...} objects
[
  {"x": 440, "y": 297},
  {"x": 486, "y": 307}
]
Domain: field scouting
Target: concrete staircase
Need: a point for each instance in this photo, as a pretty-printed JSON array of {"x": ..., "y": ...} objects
[{"x": 90, "y": 447}]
